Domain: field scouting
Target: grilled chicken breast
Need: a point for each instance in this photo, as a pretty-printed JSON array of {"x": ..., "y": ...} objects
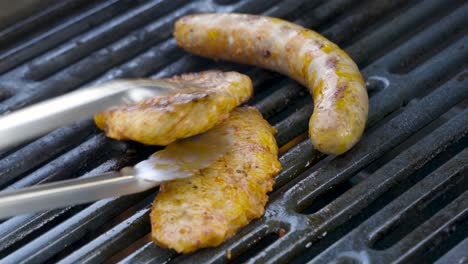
[
  {"x": 191, "y": 104},
  {"x": 206, "y": 209},
  {"x": 333, "y": 79}
]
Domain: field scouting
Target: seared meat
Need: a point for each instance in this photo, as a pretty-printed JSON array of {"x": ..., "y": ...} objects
[
  {"x": 206, "y": 209},
  {"x": 192, "y": 104},
  {"x": 333, "y": 79}
]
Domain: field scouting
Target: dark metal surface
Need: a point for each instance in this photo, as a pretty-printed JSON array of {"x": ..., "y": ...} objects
[{"x": 398, "y": 196}]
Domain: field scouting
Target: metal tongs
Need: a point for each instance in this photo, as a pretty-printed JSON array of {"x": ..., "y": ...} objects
[
  {"x": 33, "y": 121},
  {"x": 180, "y": 159}
]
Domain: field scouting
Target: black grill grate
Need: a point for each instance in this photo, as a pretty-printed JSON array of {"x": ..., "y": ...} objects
[{"x": 400, "y": 195}]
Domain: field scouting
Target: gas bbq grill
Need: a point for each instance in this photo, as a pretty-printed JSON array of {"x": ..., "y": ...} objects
[{"x": 400, "y": 195}]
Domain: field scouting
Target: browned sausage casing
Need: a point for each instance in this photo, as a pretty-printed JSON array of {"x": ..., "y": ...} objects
[{"x": 334, "y": 80}]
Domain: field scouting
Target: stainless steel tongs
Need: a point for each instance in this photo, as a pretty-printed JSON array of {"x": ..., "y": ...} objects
[
  {"x": 180, "y": 159},
  {"x": 34, "y": 121}
]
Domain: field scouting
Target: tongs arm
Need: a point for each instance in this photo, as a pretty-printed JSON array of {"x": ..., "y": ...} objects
[
  {"x": 36, "y": 120},
  {"x": 71, "y": 192}
]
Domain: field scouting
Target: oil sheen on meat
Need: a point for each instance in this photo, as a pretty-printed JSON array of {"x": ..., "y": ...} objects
[
  {"x": 206, "y": 209},
  {"x": 333, "y": 79},
  {"x": 192, "y": 104}
]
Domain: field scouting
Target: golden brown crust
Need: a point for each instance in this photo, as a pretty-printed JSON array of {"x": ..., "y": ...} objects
[
  {"x": 338, "y": 89},
  {"x": 206, "y": 209},
  {"x": 195, "y": 103}
]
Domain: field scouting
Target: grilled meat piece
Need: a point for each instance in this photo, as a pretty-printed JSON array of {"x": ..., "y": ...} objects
[
  {"x": 206, "y": 209},
  {"x": 333, "y": 79},
  {"x": 192, "y": 104}
]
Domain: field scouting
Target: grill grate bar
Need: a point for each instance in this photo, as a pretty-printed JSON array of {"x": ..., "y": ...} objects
[
  {"x": 53, "y": 241},
  {"x": 27, "y": 224},
  {"x": 28, "y": 21},
  {"x": 114, "y": 240},
  {"x": 456, "y": 255},
  {"x": 430, "y": 78},
  {"x": 41, "y": 150},
  {"x": 286, "y": 7},
  {"x": 324, "y": 12},
  {"x": 144, "y": 64},
  {"x": 359, "y": 17},
  {"x": 329, "y": 217},
  {"x": 293, "y": 125},
  {"x": 16, "y": 231},
  {"x": 238, "y": 247},
  {"x": 295, "y": 161},
  {"x": 424, "y": 40},
  {"x": 249, "y": 6},
  {"x": 382, "y": 180},
  {"x": 448, "y": 26},
  {"x": 445, "y": 221},
  {"x": 188, "y": 63},
  {"x": 246, "y": 237},
  {"x": 386, "y": 234},
  {"x": 456, "y": 55},
  {"x": 375, "y": 227},
  {"x": 295, "y": 225},
  {"x": 76, "y": 25},
  {"x": 395, "y": 29},
  {"x": 91, "y": 150},
  {"x": 71, "y": 230},
  {"x": 396, "y": 92},
  {"x": 140, "y": 255},
  {"x": 77, "y": 48}
]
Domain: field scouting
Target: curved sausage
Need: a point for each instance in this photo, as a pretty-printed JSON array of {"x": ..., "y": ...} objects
[{"x": 333, "y": 79}]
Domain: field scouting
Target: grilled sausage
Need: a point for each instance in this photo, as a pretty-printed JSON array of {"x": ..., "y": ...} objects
[
  {"x": 333, "y": 79},
  {"x": 193, "y": 104},
  {"x": 206, "y": 209}
]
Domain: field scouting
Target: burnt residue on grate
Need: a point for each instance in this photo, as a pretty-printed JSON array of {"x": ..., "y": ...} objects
[{"x": 399, "y": 196}]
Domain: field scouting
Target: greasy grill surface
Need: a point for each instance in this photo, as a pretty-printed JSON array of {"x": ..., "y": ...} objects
[{"x": 400, "y": 195}]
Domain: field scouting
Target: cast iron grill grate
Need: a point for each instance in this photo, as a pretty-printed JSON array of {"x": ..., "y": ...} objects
[{"x": 399, "y": 196}]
